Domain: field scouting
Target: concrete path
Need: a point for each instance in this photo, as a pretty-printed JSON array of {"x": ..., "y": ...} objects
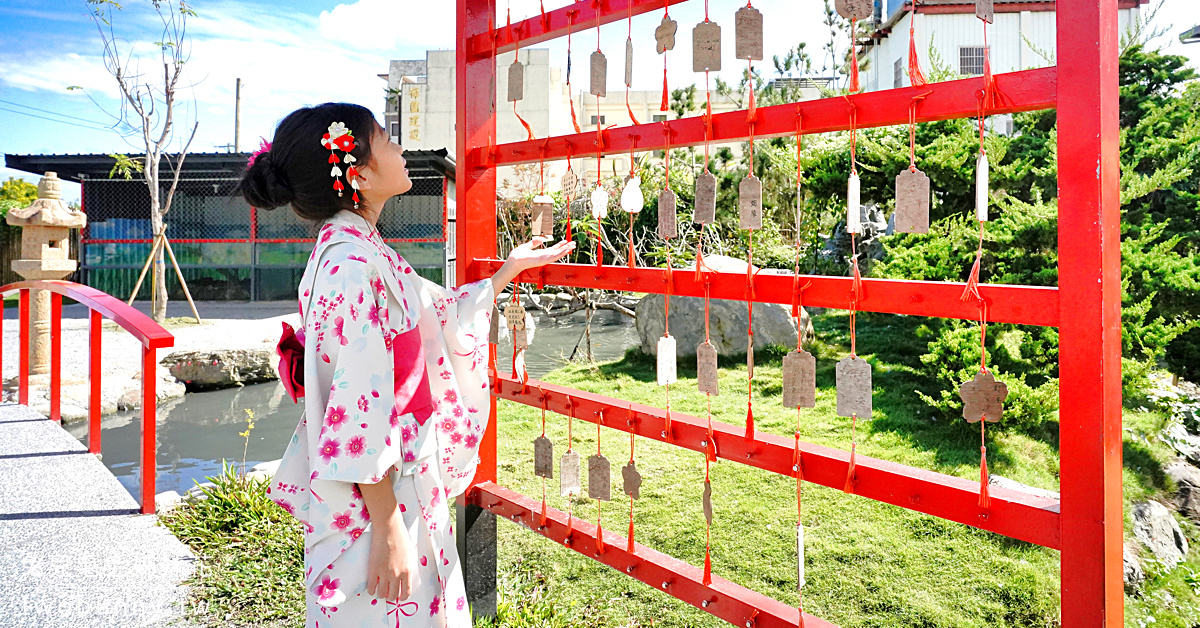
[{"x": 73, "y": 549}]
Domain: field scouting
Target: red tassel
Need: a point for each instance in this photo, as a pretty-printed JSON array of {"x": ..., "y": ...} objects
[
  {"x": 570, "y": 524},
  {"x": 749, "y": 421},
  {"x": 707, "y": 568},
  {"x": 630, "y": 548},
  {"x": 985, "y": 499},
  {"x": 542, "y": 519},
  {"x": 856, "y": 282},
  {"x": 670, "y": 438},
  {"x": 971, "y": 291},
  {"x": 855, "y": 86},
  {"x": 752, "y": 114},
  {"x": 630, "y": 109},
  {"x": 915, "y": 75},
  {"x": 528, "y": 129},
  {"x": 710, "y": 450},
  {"x": 666, "y": 98},
  {"x": 849, "y": 488},
  {"x": 599, "y": 538},
  {"x": 574, "y": 118}
]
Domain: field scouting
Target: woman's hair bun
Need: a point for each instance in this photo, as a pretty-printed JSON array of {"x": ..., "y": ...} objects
[{"x": 264, "y": 185}]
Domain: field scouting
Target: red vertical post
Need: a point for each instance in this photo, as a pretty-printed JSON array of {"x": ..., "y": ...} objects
[
  {"x": 475, "y": 179},
  {"x": 1089, "y": 280},
  {"x": 56, "y": 357},
  {"x": 149, "y": 425},
  {"x": 24, "y": 331},
  {"x": 95, "y": 329}
]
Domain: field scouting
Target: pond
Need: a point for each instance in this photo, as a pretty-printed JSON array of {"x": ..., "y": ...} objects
[{"x": 198, "y": 431}]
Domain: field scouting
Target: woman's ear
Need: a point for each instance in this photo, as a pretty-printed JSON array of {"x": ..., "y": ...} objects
[{"x": 365, "y": 176}]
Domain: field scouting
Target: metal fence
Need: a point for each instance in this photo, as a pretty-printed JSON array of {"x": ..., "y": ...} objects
[{"x": 228, "y": 250}]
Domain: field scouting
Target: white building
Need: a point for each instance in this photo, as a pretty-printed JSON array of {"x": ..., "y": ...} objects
[{"x": 1022, "y": 37}]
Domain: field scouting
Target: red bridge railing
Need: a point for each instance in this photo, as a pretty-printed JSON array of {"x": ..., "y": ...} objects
[{"x": 100, "y": 306}]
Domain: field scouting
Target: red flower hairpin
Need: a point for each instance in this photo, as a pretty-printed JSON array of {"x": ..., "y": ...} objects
[
  {"x": 263, "y": 147},
  {"x": 341, "y": 138}
]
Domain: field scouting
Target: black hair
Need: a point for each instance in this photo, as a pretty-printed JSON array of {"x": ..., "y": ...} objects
[{"x": 296, "y": 170}]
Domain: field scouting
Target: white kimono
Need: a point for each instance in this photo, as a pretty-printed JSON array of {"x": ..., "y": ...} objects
[{"x": 395, "y": 370}]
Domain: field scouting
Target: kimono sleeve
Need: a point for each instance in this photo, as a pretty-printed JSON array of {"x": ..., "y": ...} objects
[{"x": 372, "y": 399}]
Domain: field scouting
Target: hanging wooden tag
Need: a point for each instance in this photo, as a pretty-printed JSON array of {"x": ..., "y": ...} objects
[
  {"x": 494, "y": 331},
  {"x": 800, "y": 555},
  {"x": 632, "y": 480},
  {"x": 516, "y": 81},
  {"x": 599, "y": 84},
  {"x": 569, "y": 184},
  {"x": 514, "y": 314},
  {"x": 912, "y": 202},
  {"x": 748, "y": 34},
  {"x": 667, "y": 222},
  {"x": 706, "y": 199},
  {"x": 750, "y": 356},
  {"x": 708, "y": 509},
  {"x": 853, "y": 387},
  {"x": 982, "y": 175},
  {"x": 667, "y": 373},
  {"x": 599, "y": 203},
  {"x": 599, "y": 478},
  {"x": 628, "y": 62},
  {"x": 853, "y": 205},
  {"x": 543, "y": 458},
  {"x": 855, "y": 9},
  {"x": 750, "y": 203},
  {"x": 706, "y": 47},
  {"x": 521, "y": 339},
  {"x": 706, "y": 369},
  {"x": 664, "y": 35},
  {"x": 985, "y": 11},
  {"x": 799, "y": 380},
  {"x": 543, "y": 216},
  {"x": 983, "y": 398},
  {"x": 568, "y": 474}
]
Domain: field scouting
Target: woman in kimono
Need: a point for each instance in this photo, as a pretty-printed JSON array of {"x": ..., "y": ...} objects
[{"x": 395, "y": 368}]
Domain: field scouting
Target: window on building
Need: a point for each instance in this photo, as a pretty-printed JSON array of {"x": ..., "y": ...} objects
[
  {"x": 970, "y": 60},
  {"x": 898, "y": 74},
  {"x": 597, "y": 120},
  {"x": 395, "y": 129},
  {"x": 659, "y": 117}
]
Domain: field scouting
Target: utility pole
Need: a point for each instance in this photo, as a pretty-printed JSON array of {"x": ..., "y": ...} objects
[{"x": 237, "y": 118}]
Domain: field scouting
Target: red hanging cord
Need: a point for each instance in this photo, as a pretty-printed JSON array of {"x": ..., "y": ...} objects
[
  {"x": 600, "y": 547},
  {"x": 571, "y": 22},
  {"x": 630, "y": 420},
  {"x": 542, "y": 518},
  {"x": 750, "y": 280},
  {"x": 517, "y": 58},
  {"x": 665, "y": 94}
]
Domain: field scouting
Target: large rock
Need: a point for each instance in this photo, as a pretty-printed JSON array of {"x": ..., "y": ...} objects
[
  {"x": 1187, "y": 480},
  {"x": 1183, "y": 442},
  {"x": 1000, "y": 481},
  {"x": 729, "y": 320},
  {"x": 1155, "y": 527},
  {"x": 1134, "y": 574},
  {"x": 208, "y": 370}
]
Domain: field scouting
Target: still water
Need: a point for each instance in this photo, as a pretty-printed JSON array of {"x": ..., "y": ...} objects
[{"x": 200, "y": 430}]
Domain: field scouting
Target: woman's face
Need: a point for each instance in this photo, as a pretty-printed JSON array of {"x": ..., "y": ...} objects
[{"x": 387, "y": 171}]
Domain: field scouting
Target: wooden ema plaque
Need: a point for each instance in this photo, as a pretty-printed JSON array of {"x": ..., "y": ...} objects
[
  {"x": 799, "y": 380},
  {"x": 667, "y": 371},
  {"x": 706, "y": 199},
  {"x": 855, "y": 9},
  {"x": 494, "y": 330},
  {"x": 631, "y": 480},
  {"x": 514, "y": 314},
  {"x": 983, "y": 398},
  {"x": 516, "y": 81},
  {"x": 664, "y": 35},
  {"x": 706, "y": 47},
  {"x": 543, "y": 217},
  {"x": 599, "y": 82},
  {"x": 599, "y": 478},
  {"x": 708, "y": 508},
  {"x": 853, "y": 387},
  {"x": 912, "y": 202},
  {"x": 521, "y": 339},
  {"x": 668, "y": 226},
  {"x": 750, "y": 203},
  {"x": 748, "y": 34},
  {"x": 568, "y": 474},
  {"x": 985, "y": 10},
  {"x": 628, "y": 62},
  {"x": 543, "y": 458},
  {"x": 706, "y": 369},
  {"x": 569, "y": 184}
]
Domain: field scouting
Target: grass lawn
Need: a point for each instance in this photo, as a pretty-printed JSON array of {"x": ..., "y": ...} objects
[{"x": 868, "y": 564}]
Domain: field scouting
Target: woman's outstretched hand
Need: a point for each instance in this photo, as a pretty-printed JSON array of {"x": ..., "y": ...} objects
[{"x": 529, "y": 255}]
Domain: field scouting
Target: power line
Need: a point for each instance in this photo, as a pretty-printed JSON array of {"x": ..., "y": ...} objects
[
  {"x": 53, "y": 113},
  {"x": 82, "y": 126}
]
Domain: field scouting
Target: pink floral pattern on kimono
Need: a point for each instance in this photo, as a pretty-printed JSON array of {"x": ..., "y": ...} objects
[{"x": 395, "y": 392}]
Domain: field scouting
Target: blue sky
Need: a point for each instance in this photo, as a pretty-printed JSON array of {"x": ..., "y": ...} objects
[{"x": 300, "y": 52}]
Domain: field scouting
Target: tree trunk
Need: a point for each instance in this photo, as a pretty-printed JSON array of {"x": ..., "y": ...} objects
[{"x": 159, "y": 283}]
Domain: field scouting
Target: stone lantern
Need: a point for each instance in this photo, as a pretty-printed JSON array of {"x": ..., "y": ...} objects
[{"x": 45, "y": 254}]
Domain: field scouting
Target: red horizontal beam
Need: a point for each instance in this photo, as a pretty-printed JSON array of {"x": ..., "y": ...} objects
[
  {"x": 1012, "y": 513},
  {"x": 149, "y": 333},
  {"x": 579, "y": 16},
  {"x": 1028, "y": 90},
  {"x": 724, "y": 599},
  {"x": 1025, "y": 305}
]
